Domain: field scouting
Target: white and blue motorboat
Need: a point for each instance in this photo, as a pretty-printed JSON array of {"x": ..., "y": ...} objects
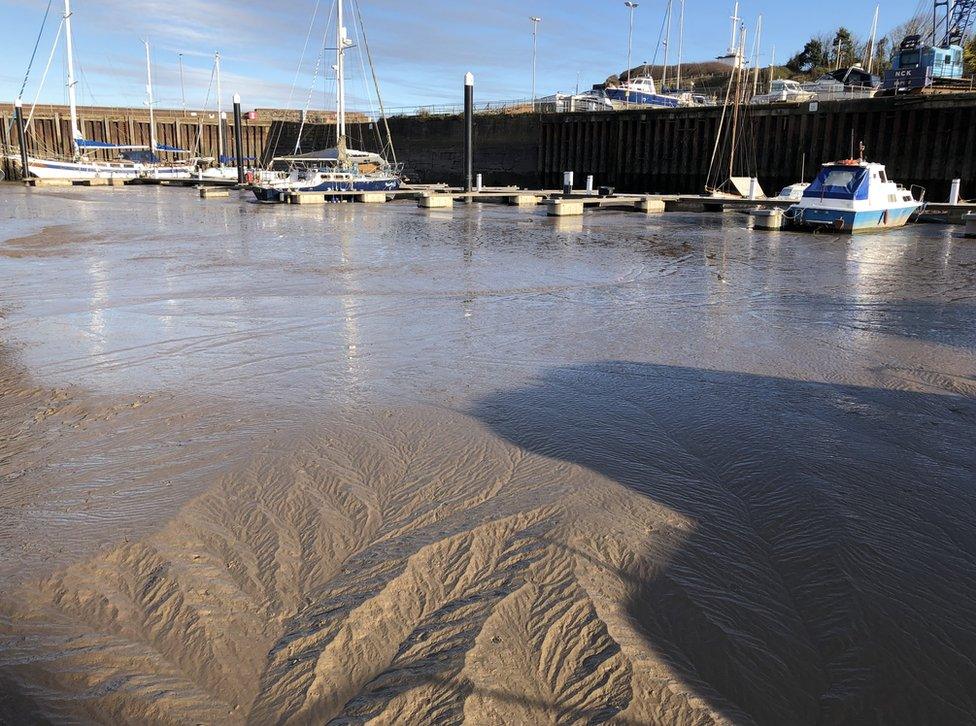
[
  {"x": 339, "y": 169},
  {"x": 640, "y": 91},
  {"x": 854, "y": 195}
]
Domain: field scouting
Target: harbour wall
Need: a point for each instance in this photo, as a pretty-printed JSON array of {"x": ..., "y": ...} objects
[
  {"x": 924, "y": 140},
  {"x": 196, "y": 131}
]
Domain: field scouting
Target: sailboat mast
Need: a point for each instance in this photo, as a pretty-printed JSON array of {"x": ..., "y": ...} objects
[
  {"x": 72, "y": 101},
  {"x": 149, "y": 97},
  {"x": 220, "y": 114},
  {"x": 667, "y": 43},
  {"x": 735, "y": 30},
  {"x": 755, "y": 55},
  {"x": 340, "y": 82},
  {"x": 681, "y": 42},
  {"x": 869, "y": 61}
]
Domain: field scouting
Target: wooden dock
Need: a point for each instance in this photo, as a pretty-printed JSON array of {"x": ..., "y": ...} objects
[{"x": 442, "y": 196}]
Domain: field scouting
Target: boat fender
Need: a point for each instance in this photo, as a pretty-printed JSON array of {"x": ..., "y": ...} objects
[{"x": 249, "y": 177}]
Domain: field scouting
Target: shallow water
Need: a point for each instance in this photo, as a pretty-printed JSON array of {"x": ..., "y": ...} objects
[{"x": 739, "y": 466}]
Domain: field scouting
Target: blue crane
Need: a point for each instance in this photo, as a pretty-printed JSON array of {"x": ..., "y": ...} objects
[
  {"x": 959, "y": 17},
  {"x": 916, "y": 66}
]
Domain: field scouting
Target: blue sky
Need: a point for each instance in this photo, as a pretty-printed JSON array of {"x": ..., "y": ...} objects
[{"x": 421, "y": 47}]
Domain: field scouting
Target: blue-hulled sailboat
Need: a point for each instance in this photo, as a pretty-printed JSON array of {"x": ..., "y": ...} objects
[{"x": 340, "y": 169}]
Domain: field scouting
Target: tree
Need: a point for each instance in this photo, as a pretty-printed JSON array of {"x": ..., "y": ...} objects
[
  {"x": 843, "y": 49},
  {"x": 969, "y": 56},
  {"x": 814, "y": 55},
  {"x": 882, "y": 57}
]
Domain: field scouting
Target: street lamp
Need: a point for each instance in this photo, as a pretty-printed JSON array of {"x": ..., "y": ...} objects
[
  {"x": 535, "y": 32},
  {"x": 632, "y": 6}
]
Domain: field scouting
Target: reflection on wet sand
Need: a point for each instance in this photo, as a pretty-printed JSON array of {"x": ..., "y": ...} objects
[{"x": 380, "y": 465}]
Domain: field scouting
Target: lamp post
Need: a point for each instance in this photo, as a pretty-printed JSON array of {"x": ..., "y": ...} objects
[
  {"x": 182, "y": 85},
  {"x": 632, "y": 6},
  {"x": 535, "y": 33}
]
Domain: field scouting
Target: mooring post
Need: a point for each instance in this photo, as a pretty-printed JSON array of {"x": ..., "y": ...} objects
[
  {"x": 477, "y": 182},
  {"x": 954, "y": 192},
  {"x": 22, "y": 138},
  {"x": 468, "y": 131},
  {"x": 567, "y": 183},
  {"x": 589, "y": 183},
  {"x": 238, "y": 141}
]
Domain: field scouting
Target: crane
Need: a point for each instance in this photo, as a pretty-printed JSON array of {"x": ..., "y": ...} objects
[
  {"x": 959, "y": 17},
  {"x": 916, "y": 67}
]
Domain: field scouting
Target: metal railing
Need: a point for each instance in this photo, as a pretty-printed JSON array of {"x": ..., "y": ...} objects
[{"x": 522, "y": 105}]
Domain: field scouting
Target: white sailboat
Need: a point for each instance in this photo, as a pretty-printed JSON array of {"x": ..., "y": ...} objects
[
  {"x": 338, "y": 169},
  {"x": 134, "y": 162}
]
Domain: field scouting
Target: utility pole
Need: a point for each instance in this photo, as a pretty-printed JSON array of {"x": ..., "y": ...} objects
[{"x": 535, "y": 34}]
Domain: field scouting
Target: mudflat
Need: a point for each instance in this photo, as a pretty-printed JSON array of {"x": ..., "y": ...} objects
[{"x": 374, "y": 464}]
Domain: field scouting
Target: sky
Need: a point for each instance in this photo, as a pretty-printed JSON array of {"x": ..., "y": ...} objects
[{"x": 421, "y": 48}]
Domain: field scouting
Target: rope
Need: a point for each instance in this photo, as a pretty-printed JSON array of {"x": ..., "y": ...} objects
[
  {"x": 54, "y": 47},
  {"x": 311, "y": 89},
  {"x": 357, "y": 27},
  {"x": 376, "y": 82},
  {"x": 294, "y": 83},
  {"x": 198, "y": 144},
  {"x": 34, "y": 52}
]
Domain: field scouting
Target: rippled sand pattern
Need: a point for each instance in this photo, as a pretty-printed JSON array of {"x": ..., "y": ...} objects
[{"x": 348, "y": 465}]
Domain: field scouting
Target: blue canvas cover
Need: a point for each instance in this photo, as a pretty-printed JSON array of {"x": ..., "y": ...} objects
[
  {"x": 839, "y": 182},
  {"x": 89, "y": 144},
  {"x": 140, "y": 155}
]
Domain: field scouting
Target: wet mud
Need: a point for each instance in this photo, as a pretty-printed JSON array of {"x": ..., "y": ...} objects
[{"x": 358, "y": 465}]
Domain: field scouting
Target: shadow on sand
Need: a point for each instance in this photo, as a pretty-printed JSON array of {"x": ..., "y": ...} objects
[{"x": 830, "y": 576}]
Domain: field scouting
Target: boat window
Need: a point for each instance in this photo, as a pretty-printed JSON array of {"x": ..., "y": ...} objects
[
  {"x": 884, "y": 177},
  {"x": 839, "y": 178},
  {"x": 843, "y": 182}
]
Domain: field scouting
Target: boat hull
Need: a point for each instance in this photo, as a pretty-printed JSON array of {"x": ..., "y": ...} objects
[
  {"x": 639, "y": 98},
  {"x": 851, "y": 221},
  {"x": 274, "y": 193},
  {"x": 51, "y": 169}
]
